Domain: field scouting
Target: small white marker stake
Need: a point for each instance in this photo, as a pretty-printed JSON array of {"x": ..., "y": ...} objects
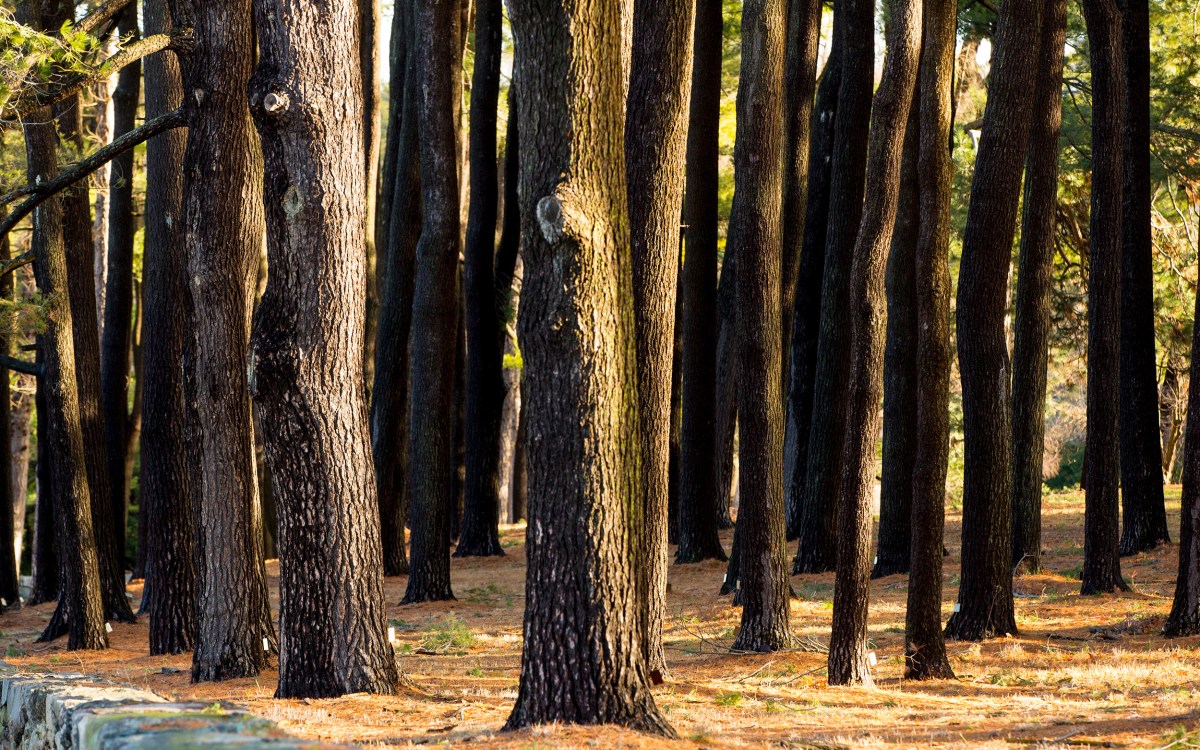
[
  {"x": 108, "y": 627},
  {"x": 871, "y": 660},
  {"x": 266, "y": 645},
  {"x": 391, "y": 635}
]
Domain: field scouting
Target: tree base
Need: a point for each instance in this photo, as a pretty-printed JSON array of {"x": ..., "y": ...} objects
[
  {"x": 688, "y": 554},
  {"x": 966, "y": 625},
  {"x": 488, "y": 546},
  {"x": 883, "y": 569},
  {"x": 417, "y": 595},
  {"x": 1179, "y": 625},
  {"x": 927, "y": 664}
]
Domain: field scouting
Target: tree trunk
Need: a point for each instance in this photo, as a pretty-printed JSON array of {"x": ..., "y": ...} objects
[
  {"x": 806, "y": 316},
  {"x": 480, "y": 535},
  {"x": 726, "y": 385},
  {"x": 169, "y": 594},
  {"x": 223, "y": 229},
  {"x": 756, "y": 231},
  {"x": 818, "y": 543},
  {"x": 1101, "y": 561},
  {"x": 924, "y": 646},
  {"x": 400, "y": 224},
  {"x": 44, "y": 555},
  {"x": 369, "y": 62},
  {"x": 307, "y": 352},
  {"x": 435, "y": 305},
  {"x": 580, "y": 388},
  {"x": 520, "y": 475},
  {"x": 985, "y": 604},
  {"x": 1032, "y": 325},
  {"x": 80, "y": 611},
  {"x": 21, "y": 423},
  {"x": 1144, "y": 521},
  {"x": 1184, "y": 618},
  {"x": 676, "y": 460},
  {"x": 900, "y": 366},
  {"x": 848, "y": 663},
  {"x": 10, "y": 595},
  {"x": 701, "y": 459}
]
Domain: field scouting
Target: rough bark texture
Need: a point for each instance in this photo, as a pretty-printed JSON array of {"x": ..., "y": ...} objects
[
  {"x": 583, "y": 660},
  {"x": 656, "y": 123},
  {"x": 985, "y": 606},
  {"x": 1101, "y": 522},
  {"x": 1144, "y": 521},
  {"x": 306, "y": 368},
  {"x": 45, "y": 584},
  {"x": 701, "y": 458},
  {"x": 924, "y": 645},
  {"x": 900, "y": 366},
  {"x": 1032, "y": 321},
  {"x": 169, "y": 594},
  {"x": 10, "y": 595},
  {"x": 1184, "y": 618},
  {"x": 400, "y": 223},
  {"x": 480, "y": 535},
  {"x": 848, "y": 663},
  {"x": 80, "y": 605},
  {"x": 435, "y": 306},
  {"x": 818, "y": 502},
  {"x": 223, "y": 220},
  {"x": 806, "y": 316},
  {"x": 756, "y": 230}
]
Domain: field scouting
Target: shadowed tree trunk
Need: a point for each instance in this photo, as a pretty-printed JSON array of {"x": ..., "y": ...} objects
[
  {"x": 307, "y": 356},
  {"x": 1144, "y": 521},
  {"x": 756, "y": 231},
  {"x": 1101, "y": 524},
  {"x": 400, "y": 224},
  {"x": 1032, "y": 325},
  {"x": 656, "y": 123},
  {"x": 583, "y": 660},
  {"x": 701, "y": 447},
  {"x": 726, "y": 385},
  {"x": 848, "y": 663},
  {"x": 223, "y": 229},
  {"x": 369, "y": 62},
  {"x": 924, "y": 645},
  {"x": 10, "y": 595},
  {"x": 900, "y": 366},
  {"x": 985, "y": 604},
  {"x": 169, "y": 595},
  {"x": 435, "y": 305},
  {"x": 676, "y": 460},
  {"x": 806, "y": 315},
  {"x": 480, "y": 535},
  {"x": 43, "y": 557},
  {"x": 818, "y": 511}
]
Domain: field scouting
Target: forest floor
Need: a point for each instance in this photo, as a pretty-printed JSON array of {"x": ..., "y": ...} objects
[{"x": 1084, "y": 671}]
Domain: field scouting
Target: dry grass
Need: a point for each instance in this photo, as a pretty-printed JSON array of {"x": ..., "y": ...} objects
[{"x": 1085, "y": 671}]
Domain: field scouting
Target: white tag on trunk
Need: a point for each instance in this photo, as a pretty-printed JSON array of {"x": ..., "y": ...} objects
[
  {"x": 876, "y": 560},
  {"x": 871, "y": 660},
  {"x": 266, "y": 644},
  {"x": 957, "y": 607},
  {"x": 391, "y": 635},
  {"x": 108, "y": 627}
]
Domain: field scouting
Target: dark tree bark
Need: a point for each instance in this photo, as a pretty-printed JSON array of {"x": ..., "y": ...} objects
[
  {"x": 520, "y": 475},
  {"x": 116, "y": 338},
  {"x": 80, "y": 611},
  {"x": 676, "y": 460},
  {"x": 900, "y": 366},
  {"x": 10, "y": 595},
  {"x": 701, "y": 457},
  {"x": 582, "y": 661},
  {"x": 924, "y": 645},
  {"x": 756, "y": 231},
  {"x": 1184, "y": 618},
  {"x": 985, "y": 605},
  {"x": 169, "y": 594},
  {"x": 806, "y": 315},
  {"x": 1032, "y": 325},
  {"x": 656, "y": 122},
  {"x": 435, "y": 312},
  {"x": 480, "y": 535},
  {"x": 1101, "y": 523},
  {"x": 45, "y": 584},
  {"x": 1144, "y": 521},
  {"x": 400, "y": 224},
  {"x": 369, "y": 13},
  {"x": 223, "y": 220},
  {"x": 848, "y": 663},
  {"x": 726, "y": 403},
  {"x": 818, "y": 502},
  {"x": 307, "y": 352}
]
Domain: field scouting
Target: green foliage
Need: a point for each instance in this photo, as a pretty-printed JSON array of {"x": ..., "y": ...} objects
[
  {"x": 450, "y": 635},
  {"x": 31, "y": 60}
]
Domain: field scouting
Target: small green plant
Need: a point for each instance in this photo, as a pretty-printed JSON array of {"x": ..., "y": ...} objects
[
  {"x": 729, "y": 699},
  {"x": 452, "y": 634}
]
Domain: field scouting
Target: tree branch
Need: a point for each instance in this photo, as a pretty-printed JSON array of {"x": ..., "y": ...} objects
[
  {"x": 101, "y": 15},
  {"x": 1191, "y": 135},
  {"x": 19, "y": 365},
  {"x": 81, "y": 169}
]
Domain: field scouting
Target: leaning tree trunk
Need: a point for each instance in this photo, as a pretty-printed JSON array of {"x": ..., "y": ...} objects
[
  {"x": 80, "y": 604},
  {"x": 756, "y": 230},
  {"x": 848, "y": 645},
  {"x": 307, "y": 352},
  {"x": 1184, "y": 618},
  {"x": 480, "y": 535},
  {"x": 169, "y": 594},
  {"x": 400, "y": 226},
  {"x": 435, "y": 305},
  {"x": 1144, "y": 521},
  {"x": 1101, "y": 522},
  {"x": 223, "y": 226},
  {"x": 580, "y": 390},
  {"x": 700, "y": 499},
  {"x": 924, "y": 645},
  {"x": 818, "y": 502},
  {"x": 1032, "y": 325},
  {"x": 985, "y": 606},
  {"x": 900, "y": 366}
]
